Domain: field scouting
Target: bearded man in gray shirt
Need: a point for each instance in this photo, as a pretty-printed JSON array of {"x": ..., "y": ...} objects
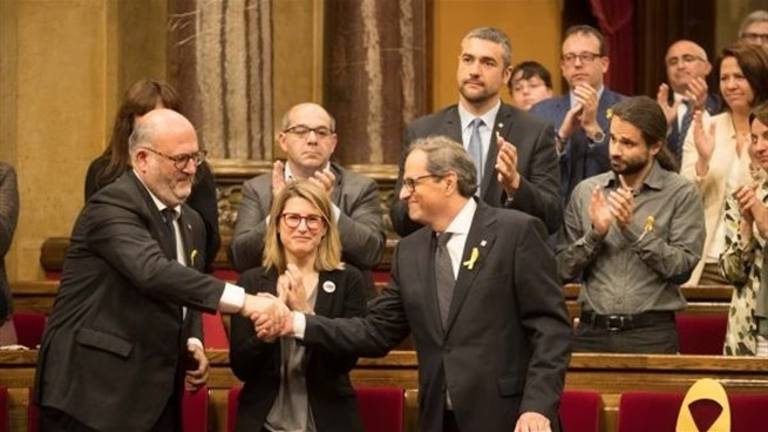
[{"x": 632, "y": 235}]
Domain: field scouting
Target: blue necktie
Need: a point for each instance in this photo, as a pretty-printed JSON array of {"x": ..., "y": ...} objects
[{"x": 476, "y": 148}]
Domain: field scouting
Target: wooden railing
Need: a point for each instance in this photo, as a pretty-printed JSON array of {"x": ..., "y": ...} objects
[{"x": 608, "y": 374}]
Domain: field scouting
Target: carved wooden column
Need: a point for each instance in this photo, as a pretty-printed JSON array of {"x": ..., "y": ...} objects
[
  {"x": 220, "y": 60},
  {"x": 374, "y": 75}
]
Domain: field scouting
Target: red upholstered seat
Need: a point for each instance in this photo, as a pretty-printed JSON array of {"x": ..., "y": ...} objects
[
  {"x": 381, "y": 408},
  {"x": 647, "y": 411},
  {"x": 29, "y": 328},
  {"x": 233, "y": 400},
  {"x": 194, "y": 410},
  {"x": 701, "y": 333},
  {"x": 214, "y": 333},
  {"x": 580, "y": 411},
  {"x": 4, "y": 414}
]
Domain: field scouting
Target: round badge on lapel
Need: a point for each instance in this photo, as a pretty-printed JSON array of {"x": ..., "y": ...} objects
[{"x": 329, "y": 287}]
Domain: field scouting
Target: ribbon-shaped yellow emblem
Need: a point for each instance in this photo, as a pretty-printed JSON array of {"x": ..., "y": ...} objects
[
  {"x": 192, "y": 257},
  {"x": 470, "y": 263}
]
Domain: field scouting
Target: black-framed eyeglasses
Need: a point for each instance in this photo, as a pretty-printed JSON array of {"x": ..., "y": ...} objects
[
  {"x": 313, "y": 222},
  {"x": 181, "y": 161},
  {"x": 685, "y": 58},
  {"x": 585, "y": 57},
  {"x": 410, "y": 183},
  {"x": 302, "y": 131}
]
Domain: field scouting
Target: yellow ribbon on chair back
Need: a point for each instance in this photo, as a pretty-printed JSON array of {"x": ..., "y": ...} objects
[{"x": 705, "y": 388}]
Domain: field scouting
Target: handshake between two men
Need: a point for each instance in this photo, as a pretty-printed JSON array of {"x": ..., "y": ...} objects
[{"x": 271, "y": 315}]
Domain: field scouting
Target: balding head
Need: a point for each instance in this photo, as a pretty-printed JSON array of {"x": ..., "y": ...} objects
[
  {"x": 299, "y": 111},
  {"x": 685, "y": 61},
  {"x": 164, "y": 153}
]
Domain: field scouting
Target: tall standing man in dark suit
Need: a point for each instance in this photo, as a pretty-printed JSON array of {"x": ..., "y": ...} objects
[
  {"x": 580, "y": 117},
  {"x": 687, "y": 70},
  {"x": 478, "y": 290},
  {"x": 308, "y": 138},
  {"x": 124, "y": 323},
  {"x": 513, "y": 152}
]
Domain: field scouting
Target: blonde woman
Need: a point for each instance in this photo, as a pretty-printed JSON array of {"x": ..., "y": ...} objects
[{"x": 290, "y": 387}]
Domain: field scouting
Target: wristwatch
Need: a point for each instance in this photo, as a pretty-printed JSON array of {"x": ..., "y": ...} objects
[{"x": 599, "y": 136}]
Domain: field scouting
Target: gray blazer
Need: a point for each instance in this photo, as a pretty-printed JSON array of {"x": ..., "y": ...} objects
[
  {"x": 9, "y": 214},
  {"x": 360, "y": 223}
]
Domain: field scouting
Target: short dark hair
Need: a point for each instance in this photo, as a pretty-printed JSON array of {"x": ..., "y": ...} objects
[
  {"x": 532, "y": 69},
  {"x": 645, "y": 114},
  {"x": 588, "y": 30},
  {"x": 446, "y": 155},
  {"x": 753, "y": 61},
  {"x": 495, "y": 35}
]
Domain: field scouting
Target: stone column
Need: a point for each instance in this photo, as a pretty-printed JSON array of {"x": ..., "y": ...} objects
[
  {"x": 220, "y": 60},
  {"x": 374, "y": 75}
]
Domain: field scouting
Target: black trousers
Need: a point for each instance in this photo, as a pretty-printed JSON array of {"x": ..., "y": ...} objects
[
  {"x": 658, "y": 338},
  {"x": 53, "y": 420}
]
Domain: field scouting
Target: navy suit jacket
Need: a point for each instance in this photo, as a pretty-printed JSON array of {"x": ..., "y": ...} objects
[
  {"x": 536, "y": 163},
  {"x": 582, "y": 158}
]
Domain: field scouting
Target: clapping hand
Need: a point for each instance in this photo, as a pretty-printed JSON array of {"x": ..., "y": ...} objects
[
  {"x": 600, "y": 212},
  {"x": 506, "y": 165},
  {"x": 662, "y": 98},
  {"x": 704, "y": 142}
]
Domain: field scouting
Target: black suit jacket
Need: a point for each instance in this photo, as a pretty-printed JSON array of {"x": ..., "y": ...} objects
[
  {"x": 506, "y": 346},
  {"x": 202, "y": 199},
  {"x": 115, "y": 338},
  {"x": 331, "y": 395},
  {"x": 536, "y": 162},
  {"x": 582, "y": 158}
]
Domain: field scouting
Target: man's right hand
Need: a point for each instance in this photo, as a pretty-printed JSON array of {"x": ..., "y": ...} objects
[
  {"x": 268, "y": 307},
  {"x": 278, "y": 178},
  {"x": 662, "y": 98},
  {"x": 600, "y": 212}
]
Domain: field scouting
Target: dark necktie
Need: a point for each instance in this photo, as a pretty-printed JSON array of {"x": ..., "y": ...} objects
[
  {"x": 685, "y": 124},
  {"x": 444, "y": 276},
  {"x": 475, "y": 148},
  {"x": 169, "y": 215}
]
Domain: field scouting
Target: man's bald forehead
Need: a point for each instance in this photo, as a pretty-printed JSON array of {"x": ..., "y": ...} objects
[
  {"x": 688, "y": 45},
  {"x": 163, "y": 117}
]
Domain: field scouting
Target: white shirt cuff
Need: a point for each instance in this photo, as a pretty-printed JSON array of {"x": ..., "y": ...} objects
[
  {"x": 195, "y": 341},
  {"x": 336, "y": 213},
  {"x": 232, "y": 300},
  {"x": 299, "y": 324}
]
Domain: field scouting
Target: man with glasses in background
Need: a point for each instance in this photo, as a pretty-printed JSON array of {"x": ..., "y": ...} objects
[
  {"x": 308, "y": 138},
  {"x": 124, "y": 334},
  {"x": 513, "y": 152},
  {"x": 687, "y": 70},
  {"x": 579, "y": 117},
  {"x": 754, "y": 28}
]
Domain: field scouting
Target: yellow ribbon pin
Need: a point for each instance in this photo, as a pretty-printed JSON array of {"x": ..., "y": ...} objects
[
  {"x": 470, "y": 263},
  {"x": 192, "y": 257},
  {"x": 649, "y": 223}
]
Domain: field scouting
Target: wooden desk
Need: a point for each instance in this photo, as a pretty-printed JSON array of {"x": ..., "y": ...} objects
[{"x": 608, "y": 374}]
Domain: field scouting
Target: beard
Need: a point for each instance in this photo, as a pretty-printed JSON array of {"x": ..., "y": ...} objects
[
  {"x": 477, "y": 96},
  {"x": 628, "y": 167}
]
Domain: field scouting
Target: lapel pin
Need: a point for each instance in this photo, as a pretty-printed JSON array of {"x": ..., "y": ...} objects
[
  {"x": 483, "y": 243},
  {"x": 192, "y": 257},
  {"x": 189, "y": 227},
  {"x": 329, "y": 287},
  {"x": 470, "y": 263}
]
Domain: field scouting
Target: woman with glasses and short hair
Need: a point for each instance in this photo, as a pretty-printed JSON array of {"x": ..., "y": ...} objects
[
  {"x": 142, "y": 97},
  {"x": 290, "y": 387}
]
